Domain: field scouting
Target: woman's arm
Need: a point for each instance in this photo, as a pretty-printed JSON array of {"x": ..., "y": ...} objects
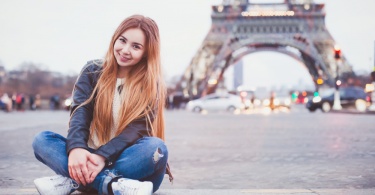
[
  {"x": 135, "y": 130},
  {"x": 81, "y": 116},
  {"x": 79, "y": 125}
]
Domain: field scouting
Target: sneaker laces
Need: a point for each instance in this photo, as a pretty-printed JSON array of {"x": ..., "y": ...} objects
[
  {"x": 66, "y": 183},
  {"x": 129, "y": 186}
]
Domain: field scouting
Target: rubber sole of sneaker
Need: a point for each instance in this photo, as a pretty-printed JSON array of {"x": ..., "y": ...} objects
[{"x": 36, "y": 186}]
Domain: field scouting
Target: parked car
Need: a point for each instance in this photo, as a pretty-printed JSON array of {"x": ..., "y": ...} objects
[
  {"x": 216, "y": 102},
  {"x": 350, "y": 97}
]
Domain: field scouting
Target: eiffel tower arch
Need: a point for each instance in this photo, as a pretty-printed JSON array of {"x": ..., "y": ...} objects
[{"x": 295, "y": 27}]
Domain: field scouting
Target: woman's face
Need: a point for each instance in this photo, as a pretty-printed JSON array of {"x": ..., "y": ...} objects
[{"x": 130, "y": 47}]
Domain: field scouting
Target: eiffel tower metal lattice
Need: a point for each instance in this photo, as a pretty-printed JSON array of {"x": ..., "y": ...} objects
[{"x": 295, "y": 27}]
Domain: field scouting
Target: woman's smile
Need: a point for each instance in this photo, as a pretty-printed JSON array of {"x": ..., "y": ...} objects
[
  {"x": 129, "y": 47},
  {"x": 124, "y": 59}
]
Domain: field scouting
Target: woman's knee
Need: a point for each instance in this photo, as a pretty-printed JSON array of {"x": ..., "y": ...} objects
[
  {"x": 155, "y": 142},
  {"x": 40, "y": 140},
  {"x": 159, "y": 149}
]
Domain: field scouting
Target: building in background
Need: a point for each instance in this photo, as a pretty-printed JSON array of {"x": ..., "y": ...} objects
[{"x": 238, "y": 74}]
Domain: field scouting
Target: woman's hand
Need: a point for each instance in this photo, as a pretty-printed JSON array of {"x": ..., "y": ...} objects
[
  {"x": 95, "y": 164},
  {"x": 77, "y": 164}
]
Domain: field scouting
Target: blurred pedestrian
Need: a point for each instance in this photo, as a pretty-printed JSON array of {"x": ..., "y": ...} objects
[
  {"x": 2, "y": 105},
  {"x": 170, "y": 101},
  {"x": 177, "y": 100},
  {"x": 117, "y": 121},
  {"x": 54, "y": 102},
  {"x": 32, "y": 102},
  {"x": 14, "y": 96},
  {"x": 20, "y": 100},
  {"x": 38, "y": 101},
  {"x": 6, "y": 102},
  {"x": 252, "y": 101},
  {"x": 272, "y": 101}
]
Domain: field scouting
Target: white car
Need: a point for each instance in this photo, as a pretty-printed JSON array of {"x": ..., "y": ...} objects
[{"x": 216, "y": 102}]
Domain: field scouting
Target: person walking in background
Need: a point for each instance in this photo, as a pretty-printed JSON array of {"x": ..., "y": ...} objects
[
  {"x": 272, "y": 101},
  {"x": 114, "y": 145},
  {"x": 14, "y": 96},
  {"x": 54, "y": 102},
  {"x": 32, "y": 102},
  {"x": 20, "y": 100},
  {"x": 252, "y": 101},
  {"x": 6, "y": 102},
  {"x": 51, "y": 103},
  {"x": 38, "y": 101}
]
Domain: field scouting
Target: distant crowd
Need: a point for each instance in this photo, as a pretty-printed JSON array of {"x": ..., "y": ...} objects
[{"x": 22, "y": 102}]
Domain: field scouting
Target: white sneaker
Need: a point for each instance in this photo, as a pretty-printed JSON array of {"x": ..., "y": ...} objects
[
  {"x": 131, "y": 187},
  {"x": 58, "y": 185}
]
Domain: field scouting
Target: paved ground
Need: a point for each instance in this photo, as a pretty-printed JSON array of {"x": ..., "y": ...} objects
[{"x": 221, "y": 153}]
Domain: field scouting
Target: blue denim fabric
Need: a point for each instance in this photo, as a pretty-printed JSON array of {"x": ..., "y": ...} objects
[{"x": 146, "y": 160}]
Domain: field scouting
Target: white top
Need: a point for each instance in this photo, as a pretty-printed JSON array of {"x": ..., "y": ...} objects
[{"x": 116, "y": 105}]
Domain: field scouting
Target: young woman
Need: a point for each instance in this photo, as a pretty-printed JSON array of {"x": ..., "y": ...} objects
[{"x": 116, "y": 130}]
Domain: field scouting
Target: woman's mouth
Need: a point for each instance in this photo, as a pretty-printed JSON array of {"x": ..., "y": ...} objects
[{"x": 124, "y": 59}]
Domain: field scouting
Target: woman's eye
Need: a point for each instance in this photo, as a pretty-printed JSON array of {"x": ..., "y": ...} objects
[
  {"x": 136, "y": 47},
  {"x": 122, "y": 40}
]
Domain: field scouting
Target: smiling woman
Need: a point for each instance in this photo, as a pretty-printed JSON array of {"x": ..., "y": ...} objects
[
  {"x": 115, "y": 143},
  {"x": 129, "y": 49}
]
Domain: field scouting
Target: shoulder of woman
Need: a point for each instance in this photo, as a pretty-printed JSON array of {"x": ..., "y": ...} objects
[
  {"x": 98, "y": 63},
  {"x": 93, "y": 66}
]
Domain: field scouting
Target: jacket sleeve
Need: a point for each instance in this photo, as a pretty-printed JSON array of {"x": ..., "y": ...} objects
[
  {"x": 80, "y": 119},
  {"x": 134, "y": 131}
]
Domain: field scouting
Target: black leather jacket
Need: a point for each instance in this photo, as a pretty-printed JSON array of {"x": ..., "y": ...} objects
[
  {"x": 79, "y": 126},
  {"x": 80, "y": 120}
]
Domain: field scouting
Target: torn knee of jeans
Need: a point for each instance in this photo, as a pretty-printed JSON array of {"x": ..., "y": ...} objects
[
  {"x": 157, "y": 155},
  {"x": 113, "y": 174}
]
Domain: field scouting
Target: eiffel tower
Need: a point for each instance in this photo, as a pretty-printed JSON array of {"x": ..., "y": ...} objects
[{"x": 295, "y": 27}]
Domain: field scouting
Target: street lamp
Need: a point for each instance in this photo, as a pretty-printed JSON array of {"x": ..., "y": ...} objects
[{"x": 336, "y": 102}]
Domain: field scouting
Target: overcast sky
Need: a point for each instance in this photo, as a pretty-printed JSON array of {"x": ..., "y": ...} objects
[{"x": 63, "y": 35}]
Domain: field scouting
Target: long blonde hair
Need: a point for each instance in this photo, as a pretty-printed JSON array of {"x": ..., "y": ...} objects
[{"x": 144, "y": 91}]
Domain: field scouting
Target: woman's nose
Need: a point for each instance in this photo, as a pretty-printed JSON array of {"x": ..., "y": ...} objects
[{"x": 126, "y": 48}]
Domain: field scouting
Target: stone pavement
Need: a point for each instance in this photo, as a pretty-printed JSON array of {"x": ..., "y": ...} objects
[
  {"x": 275, "y": 153},
  {"x": 352, "y": 111},
  {"x": 32, "y": 191}
]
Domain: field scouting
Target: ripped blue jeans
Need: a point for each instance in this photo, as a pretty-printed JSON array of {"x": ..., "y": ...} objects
[{"x": 146, "y": 160}]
